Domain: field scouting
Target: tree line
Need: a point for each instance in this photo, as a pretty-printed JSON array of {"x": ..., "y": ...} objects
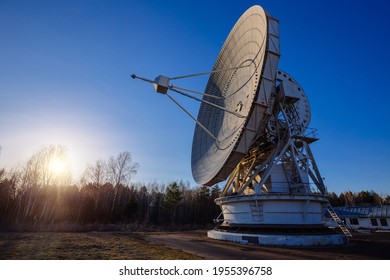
[
  {"x": 36, "y": 197},
  {"x": 362, "y": 198}
]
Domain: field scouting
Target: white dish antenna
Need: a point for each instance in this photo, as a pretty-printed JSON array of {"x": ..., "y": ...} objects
[
  {"x": 252, "y": 44},
  {"x": 252, "y": 129}
]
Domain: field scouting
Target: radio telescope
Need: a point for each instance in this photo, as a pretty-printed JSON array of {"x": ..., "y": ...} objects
[{"x": 252, "y": 132}]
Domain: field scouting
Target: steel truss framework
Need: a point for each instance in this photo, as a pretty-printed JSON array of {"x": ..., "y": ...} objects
[{"x": 291, "y": 151}]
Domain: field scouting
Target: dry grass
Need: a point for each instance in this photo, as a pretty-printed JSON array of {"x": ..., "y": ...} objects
[{"x": 84, "y": 246}]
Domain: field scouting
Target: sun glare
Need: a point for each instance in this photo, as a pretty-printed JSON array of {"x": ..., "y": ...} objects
[{"x": 57, "y": 166}]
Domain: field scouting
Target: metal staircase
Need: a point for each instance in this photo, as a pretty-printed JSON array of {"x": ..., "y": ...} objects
[{"x": 339, "y": 222}]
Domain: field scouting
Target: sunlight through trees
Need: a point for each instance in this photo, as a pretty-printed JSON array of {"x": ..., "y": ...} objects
[{"x": 36, "y": 196}]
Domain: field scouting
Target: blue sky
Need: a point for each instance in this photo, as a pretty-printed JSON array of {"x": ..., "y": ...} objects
[{"x": 65, "y": 66}]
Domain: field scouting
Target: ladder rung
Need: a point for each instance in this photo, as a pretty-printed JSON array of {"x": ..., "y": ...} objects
[{"x": 339, "y": 222}]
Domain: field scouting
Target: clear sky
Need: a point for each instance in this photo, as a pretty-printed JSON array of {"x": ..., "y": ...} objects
[{"x": 65, "y": 67}]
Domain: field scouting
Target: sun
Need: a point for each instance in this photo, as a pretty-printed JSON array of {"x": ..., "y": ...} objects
[{"x": 57, "y": 166}]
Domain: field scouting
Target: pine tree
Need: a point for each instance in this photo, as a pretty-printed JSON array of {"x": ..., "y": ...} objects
[{"x": 172, "y": 199}]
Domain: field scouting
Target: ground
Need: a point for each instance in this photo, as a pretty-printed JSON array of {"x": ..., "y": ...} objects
[
  {"x": 361, "y": 247},
  {"x": 175, "y": 245},
  {"x": 84, "y": 246}
]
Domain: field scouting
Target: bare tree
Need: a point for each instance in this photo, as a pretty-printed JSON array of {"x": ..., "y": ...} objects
[
  {"x": 119, "y": 171},
  {"x": 95, "y": 174},
  {"x": 2, "y": 174},
  {"x": 39, "y": 171},
  {"x": 121, "y": 168}
]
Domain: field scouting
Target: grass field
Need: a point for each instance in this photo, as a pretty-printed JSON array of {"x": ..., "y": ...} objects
[
  {"x": 83, "y": 246},
  {"x": 178, "y": 245}
]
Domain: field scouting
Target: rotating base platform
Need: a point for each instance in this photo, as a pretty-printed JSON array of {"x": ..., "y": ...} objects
[
  {"x": 296, "y": 210},
  {"x": 280, "y": 239},
  {"x": 277, "y": 219}
]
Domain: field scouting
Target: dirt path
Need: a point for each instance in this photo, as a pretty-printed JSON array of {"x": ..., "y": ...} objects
[{"x": 362, "y": 246}]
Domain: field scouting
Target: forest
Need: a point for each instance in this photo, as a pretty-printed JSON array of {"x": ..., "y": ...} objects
[
  {"x": 41, "y": 196},
  {"x": 37, "y": 196}
]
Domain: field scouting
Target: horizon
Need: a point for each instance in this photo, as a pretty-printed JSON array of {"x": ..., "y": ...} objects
[{"x": 65, "y": 80}]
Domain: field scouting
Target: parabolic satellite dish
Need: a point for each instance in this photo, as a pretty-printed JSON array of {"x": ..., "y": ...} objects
[
  {"x": 252, "y": 129},
  {"x": 252, "y": 52}
]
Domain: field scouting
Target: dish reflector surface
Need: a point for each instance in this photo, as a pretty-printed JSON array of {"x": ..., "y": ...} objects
[{"x": 252, "y": 51}]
